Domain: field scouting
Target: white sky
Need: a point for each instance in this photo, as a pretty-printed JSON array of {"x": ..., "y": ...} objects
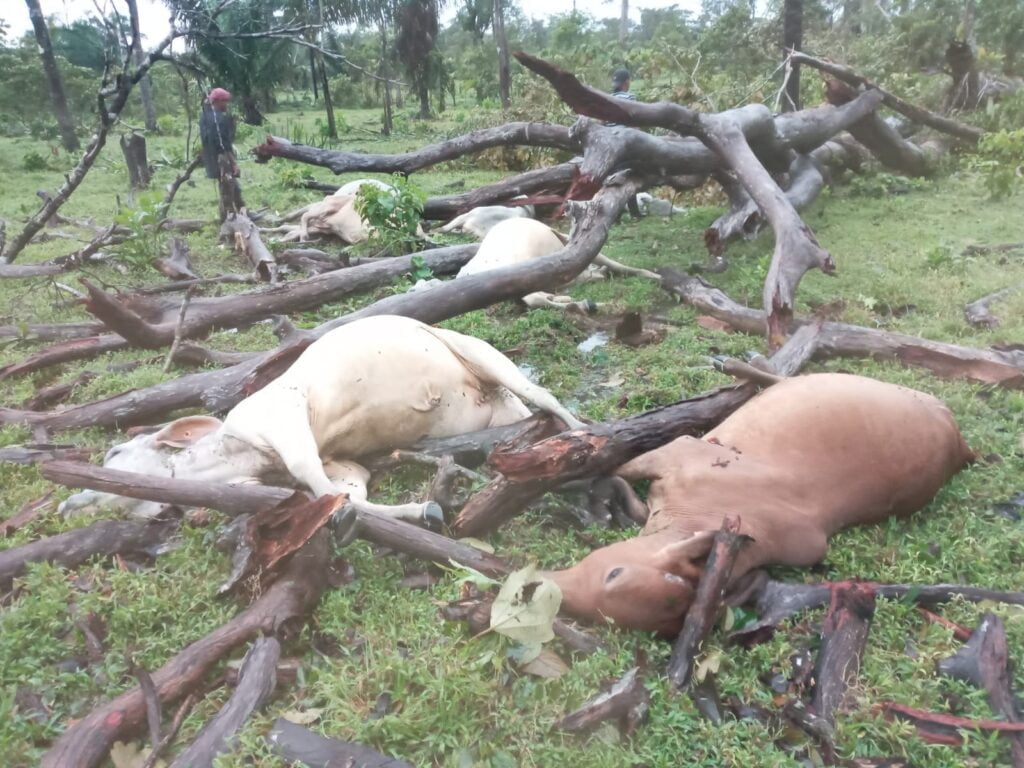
[{"x": 154, "y": 15}]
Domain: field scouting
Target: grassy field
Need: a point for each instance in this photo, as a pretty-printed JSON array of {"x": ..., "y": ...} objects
[{"x": 460, "y": 702}]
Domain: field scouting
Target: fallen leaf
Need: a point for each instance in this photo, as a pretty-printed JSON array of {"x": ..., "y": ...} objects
[
  {"x": 131, "y": 755},
  {"x": 547, "y": 664},
  {"x": 615, "y": 381},
  {"x": 526, "y": 606},
  {"x": 710, "y": 663},
  {"x": 304, "y": 717},
  {"x": 483, "y": 546}
]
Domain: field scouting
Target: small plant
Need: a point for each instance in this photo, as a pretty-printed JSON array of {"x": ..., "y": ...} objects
[
  {"x": 33, "y": 161},
  {"x": 168, "y": 125},
  {"x": 393, "y": 214},
  {"x": 143, "y": 220},
  {"x": 293, "y": 177},
  {"x": 420, "y": 270},
  {"x": 1001, "y": 160},
  {"x": 883, "y": 184}
]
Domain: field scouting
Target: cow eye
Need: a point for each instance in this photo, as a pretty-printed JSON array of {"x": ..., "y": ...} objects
[{"x": 612, "y": 574}]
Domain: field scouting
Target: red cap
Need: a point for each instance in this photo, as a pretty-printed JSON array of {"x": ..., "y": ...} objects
[{"x": 218, "y": 94}]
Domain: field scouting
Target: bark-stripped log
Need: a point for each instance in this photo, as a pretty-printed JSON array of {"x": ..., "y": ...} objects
[
  {"x": 87, "y": 743},
  {"x": 239, "y": 229},
  {"x": 525, "y": 134},
  {"x": 952, "y": 361},
  {"x": 296, "y": 744},
  {"x": 220, "y": 390},
  {"x": 554, "y": 179},
  {"x": 796, "y": 249}
]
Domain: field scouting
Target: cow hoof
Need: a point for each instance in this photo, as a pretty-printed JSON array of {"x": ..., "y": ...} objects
[
  {"x": 433, "y": 516},
  {"x": 589, "y": 306},
  {"x": 345, "y": 524}
]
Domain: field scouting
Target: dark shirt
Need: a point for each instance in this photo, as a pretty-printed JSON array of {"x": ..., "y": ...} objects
[{"x": 217, "y": 133}]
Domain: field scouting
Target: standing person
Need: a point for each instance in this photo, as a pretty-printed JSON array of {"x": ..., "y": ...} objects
[
  {"x": 620, "y": 90},
  {"x": 217, "y": 133}
]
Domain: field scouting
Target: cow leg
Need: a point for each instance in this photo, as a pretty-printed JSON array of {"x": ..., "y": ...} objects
[
  {"x": 544, "y": 300},
  {"x": 489, "y": 364},
  {"x": 617, "y": 268},
  {"x": 351, "y": 478}
]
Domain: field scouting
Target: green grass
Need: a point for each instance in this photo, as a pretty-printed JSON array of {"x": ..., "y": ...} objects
[{"x": 460, "y": 702}]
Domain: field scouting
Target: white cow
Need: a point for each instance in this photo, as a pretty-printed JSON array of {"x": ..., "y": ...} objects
[
  {"x": 481, "y": 220},
  {"x": 516, "y": 240},
  {"x": 335, "y": 215},
  {"x": 372, "y": 385},
  {"x": 353, "y": 187}
]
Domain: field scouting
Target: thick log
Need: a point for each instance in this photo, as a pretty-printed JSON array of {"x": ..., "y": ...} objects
[
  {"x": 952, "y": 361},
  {"x": 912, "y": 112},
  {"x": 256, "y": 682},
  {"x": 776, "y": 601},
  {"x": 843, "y": 637},
  {"x": 239, "y": 229},
  {"x": 626, "y": 703},
  {"x": 50, "y": 331},
  {"x": 70, "y": 549},
  {"x": 296, "y": 744},
  {"x": 882, "y": 139},
  {"x": 796, "y": 249},
  {"x": 87, "y": 743},
  {"x": 983, "y": 662},
  {"x": 529, "y": 472},
  {"x": 525, "y": 134},
  {"x": 706, "y": 603},
  {"x": 242, "y": 499},
  {"x": 241, "y": 309},
  {"x": 220, "y": 390}
]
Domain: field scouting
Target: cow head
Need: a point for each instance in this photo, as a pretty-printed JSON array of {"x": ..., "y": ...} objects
[
  {"x": 192, "y": 447},
  {"x": 645, "y": 583}
]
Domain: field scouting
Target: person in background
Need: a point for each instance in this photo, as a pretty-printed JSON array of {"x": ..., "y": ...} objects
[
  {"x": 620, "y": 90},
  {"x": 217, "y": 134}
]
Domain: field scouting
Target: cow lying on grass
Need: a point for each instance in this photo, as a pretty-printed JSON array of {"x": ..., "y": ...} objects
[
  {"x": 516, "y": 240},
  {"x": 810, "y": 456},
  {"x": 482, "y": 219},
  {"x": 372, "y": 385}
]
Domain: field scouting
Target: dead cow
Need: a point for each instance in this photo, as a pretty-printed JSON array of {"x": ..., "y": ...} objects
[
  {"x": 806, "y": 458},
  {"x": 517, "y": 240},
  {"x": 482, "y": 219},
  {"x": 372, "y": 385}
]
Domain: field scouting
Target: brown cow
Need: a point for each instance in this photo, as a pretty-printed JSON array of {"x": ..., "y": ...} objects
[{"x": 804, "y": 459}]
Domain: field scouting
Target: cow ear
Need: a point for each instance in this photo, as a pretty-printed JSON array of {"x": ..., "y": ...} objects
[
  {"x": 184, "y": 432},
  {"x": 678, "y": 556}
]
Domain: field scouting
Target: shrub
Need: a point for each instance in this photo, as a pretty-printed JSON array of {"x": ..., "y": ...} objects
[
  {"x": 1001, "y": 160},
  {"x": 394, "y": 214},
  {"x": 33, "y": 161}
]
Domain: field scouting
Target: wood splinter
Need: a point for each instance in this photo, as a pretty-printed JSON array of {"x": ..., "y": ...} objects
[{"x": 627, "y": 703}]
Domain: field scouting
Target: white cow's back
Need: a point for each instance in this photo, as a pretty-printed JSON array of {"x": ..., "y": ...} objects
[
  {"x": 510, "y": 242},
  {"x": 375, "y": 384}
]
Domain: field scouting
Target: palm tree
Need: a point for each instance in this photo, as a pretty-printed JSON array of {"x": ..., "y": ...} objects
[{"x": 416, "y": 36}]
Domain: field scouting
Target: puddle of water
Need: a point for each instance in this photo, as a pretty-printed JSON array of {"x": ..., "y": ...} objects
[{"x": 592, "y": 342}]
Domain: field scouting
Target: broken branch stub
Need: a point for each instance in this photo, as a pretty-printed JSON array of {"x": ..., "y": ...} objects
[
  {"x": 296, "y": 744},
  {"x": 843, "y": 637},
  {"x": 700, "y": 618},
  {"x": 627, "y": 703}
]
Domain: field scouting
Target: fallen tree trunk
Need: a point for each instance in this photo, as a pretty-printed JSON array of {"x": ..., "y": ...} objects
[
  {"x": 127, "y": 317},
  {"x": 703, "y": 613},
  {"x": 601, "y": 448},
  {"x": 87, "y": 743},
  {"x": 843, "y": 637},
  {"x": 952, "y": 361},
  {"x": 50, "y": 331},
  {"x": 912, "y": 112},
  {"x": 220, "y": 390},
  {"x": 256, "y": 682},
  {"x": 70, "y": 549},
  {"x": 554, "y": 179},
  {"x": 525, "y": 134},
  {"x": 977, "y": 313},
  {"x": 796, "y": 249},
  {"x": 66, "y": 352}
]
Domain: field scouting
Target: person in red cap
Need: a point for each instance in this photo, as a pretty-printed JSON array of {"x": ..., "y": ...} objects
[{"x": 217, "y": 133}]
